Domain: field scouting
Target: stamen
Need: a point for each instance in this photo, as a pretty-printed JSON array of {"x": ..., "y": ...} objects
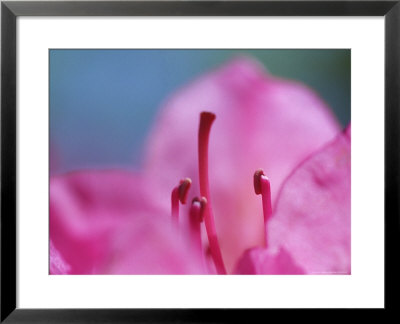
[
  {"x": 206, "y": 120},
  {"x": 179, "y": 194},
  {"x": 184, "y": 186},
  {"x": 196, "y": 218},
  {"x": 262, "y": 187}
]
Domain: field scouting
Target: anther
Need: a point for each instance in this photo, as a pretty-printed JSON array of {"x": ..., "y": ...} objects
[
  {"x": 183, "y": 188},
  {"x": 179, "y": 194},
  {"x": 196, "y": 218},
  {"x": 198, "y": 208}
]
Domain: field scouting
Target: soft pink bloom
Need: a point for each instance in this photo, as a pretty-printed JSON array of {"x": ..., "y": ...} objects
[
  {"x": 118, "y": 222},
  {"x": 262, "y": 122}
]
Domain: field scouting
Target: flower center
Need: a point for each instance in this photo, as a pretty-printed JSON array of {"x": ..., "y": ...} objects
[{"x": 201, "y": 208}]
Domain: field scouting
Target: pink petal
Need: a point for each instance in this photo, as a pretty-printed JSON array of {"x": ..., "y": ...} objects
[
  {"x": 152, "y": 245},
  {"x": 348, "y": 132},
  {"x": 263, "y": 261},
  {"x": 312, "y": 217},
  {"x": 105, "y": 222},
  {"x": 57, "y": 262},
  {"x": 262, "y": 122}
]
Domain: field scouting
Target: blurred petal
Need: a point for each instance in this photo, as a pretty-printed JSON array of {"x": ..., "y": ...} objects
[
  {"x": 312, "y": 217},
  {"x": 348, "y": 132},
  {"x": 262, "y": 122},
  {"x": 263, "y": 261},
  {"x": 105, "y": 222},
  {"x": 57, "y": 262},
  {"x": 153, "y": 246}
]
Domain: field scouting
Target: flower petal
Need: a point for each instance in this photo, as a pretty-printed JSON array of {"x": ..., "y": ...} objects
[
  {"x": 263, "y": 261},
  {"x": 57, "y": 262},
  {"x": 104, "y": 222},
  {"x": 312, "y": 217},
  {"x": 152, "y": 245},
  {"x": 262, "y": 122}
]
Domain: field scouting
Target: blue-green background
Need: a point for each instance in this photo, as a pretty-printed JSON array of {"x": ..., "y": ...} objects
[{"x": 102, "y": 102}]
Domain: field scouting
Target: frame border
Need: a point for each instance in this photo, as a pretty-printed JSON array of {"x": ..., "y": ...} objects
[{"x": 10, "y": 10}]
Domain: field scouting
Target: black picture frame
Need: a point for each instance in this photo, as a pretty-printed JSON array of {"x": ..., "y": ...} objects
[{"x": 10, "y": 10}]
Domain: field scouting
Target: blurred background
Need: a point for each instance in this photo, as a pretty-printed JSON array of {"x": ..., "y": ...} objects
[{"x": 103, "y": 102}]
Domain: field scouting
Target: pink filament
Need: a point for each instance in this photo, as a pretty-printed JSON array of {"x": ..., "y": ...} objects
[
  {"x": 175, "y": 205},
  {"x": 206, "y": 120},
  {"x": 262, "y": 186}
]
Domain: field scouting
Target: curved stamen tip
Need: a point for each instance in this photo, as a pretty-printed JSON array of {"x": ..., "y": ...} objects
[
  {"x": 200, "y": 204},
  {"x": 183, "y": 189},
  {"x": 258, "y": 176},
  {"x": 257, "y": 181},
  {"x": 207, "y": 116}
]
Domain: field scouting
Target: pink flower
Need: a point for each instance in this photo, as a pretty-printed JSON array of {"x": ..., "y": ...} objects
[
  {"x": 116, "y": 222},
  {"x": 262, "y": 122}
]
